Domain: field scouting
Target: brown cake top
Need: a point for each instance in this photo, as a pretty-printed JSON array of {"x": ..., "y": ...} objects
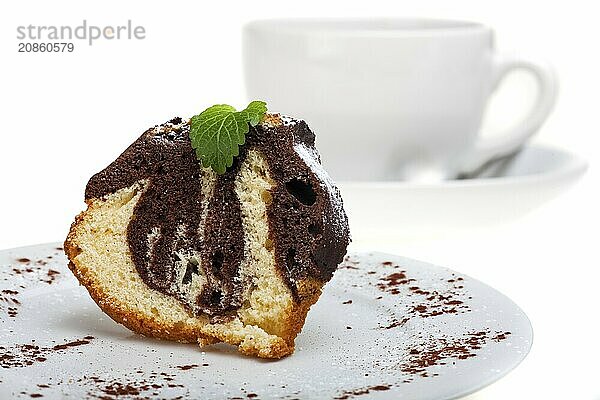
[{"x": 307, "y": 223}]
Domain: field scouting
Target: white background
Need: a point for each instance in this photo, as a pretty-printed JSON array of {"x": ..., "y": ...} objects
[{"x": 66, "y": 116}]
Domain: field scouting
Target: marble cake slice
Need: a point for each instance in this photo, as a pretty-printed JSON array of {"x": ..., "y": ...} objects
[{"x": 172, "y": 250}]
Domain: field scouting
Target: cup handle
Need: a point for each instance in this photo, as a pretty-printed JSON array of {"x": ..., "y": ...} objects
[{"x": 504, "y": 144}]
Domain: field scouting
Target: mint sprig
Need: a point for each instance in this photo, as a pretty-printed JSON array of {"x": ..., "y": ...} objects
[{"x": 217, "y": 132}]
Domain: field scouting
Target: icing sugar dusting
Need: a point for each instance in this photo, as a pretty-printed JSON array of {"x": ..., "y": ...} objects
[
  {"x": 276, "y": 120},
  {"x": 288, "y": 121},
  {"x": 169, "y": 128},
  {"x": 311, "y": 157}
]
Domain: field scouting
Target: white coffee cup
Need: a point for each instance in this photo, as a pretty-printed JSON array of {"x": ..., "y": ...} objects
[{"x": 390, "y": 98}]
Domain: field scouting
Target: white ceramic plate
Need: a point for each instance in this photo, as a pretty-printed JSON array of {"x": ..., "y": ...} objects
[
  {"x": 504, "y": 192},
  {"x": 385, "y": 327}
]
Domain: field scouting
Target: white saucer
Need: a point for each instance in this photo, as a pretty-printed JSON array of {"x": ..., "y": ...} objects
[
  {"x": 504, "y": 192},
  {"x": 386, "y": 327}
]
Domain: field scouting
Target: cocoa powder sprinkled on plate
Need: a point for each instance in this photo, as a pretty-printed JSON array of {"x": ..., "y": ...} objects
[
  {"x": 348, "y": 394},
  {"x": 23, "y": 355},
  {"x": 131, "y": 386},
  {"x": 36, "y": 271},
  {"x": 9, "y": 302},
  {"x": 432, "y": 351},
  {"x": 74, "y": 343},
  {"x": 448, "y": 299},
  {"x": 425, "y": 300},
  {"x": 500, "y": 336},
  {"x": 29, "y": 274},
  {"x": 186, "y": 367}
]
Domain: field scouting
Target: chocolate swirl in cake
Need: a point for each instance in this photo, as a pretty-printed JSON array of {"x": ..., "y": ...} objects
[{"x": 187, "y": 214}]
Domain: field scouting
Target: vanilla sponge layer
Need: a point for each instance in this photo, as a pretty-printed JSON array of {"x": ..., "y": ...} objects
[{"x": 268, "y": 320}]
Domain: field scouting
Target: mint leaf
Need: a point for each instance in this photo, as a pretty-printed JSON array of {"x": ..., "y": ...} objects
[{"x": 217, "y": 132}]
